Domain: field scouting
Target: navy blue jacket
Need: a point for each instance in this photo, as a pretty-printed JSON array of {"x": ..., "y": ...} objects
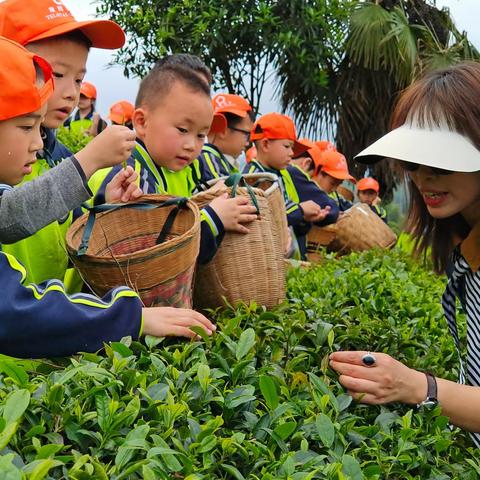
[{"x": 43, "y": 321}]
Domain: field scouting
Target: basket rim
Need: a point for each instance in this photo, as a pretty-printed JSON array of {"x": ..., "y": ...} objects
[{"x": 180, "y": 240}]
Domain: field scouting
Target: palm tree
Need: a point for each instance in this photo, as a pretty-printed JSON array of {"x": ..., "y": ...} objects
[{"x": 385, "y": 46}]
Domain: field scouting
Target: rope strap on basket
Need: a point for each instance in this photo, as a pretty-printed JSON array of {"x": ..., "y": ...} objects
[
  {"x": 179, "y": 202},
  {"x": 234, "y": 181}
]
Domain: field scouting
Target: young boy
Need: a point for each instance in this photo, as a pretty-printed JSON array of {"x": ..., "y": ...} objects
[
  {"x": 172, "y": 118},
  {"x": 275, "y": 139},
  {"x": 121, "y": 113},
  {"x": 331, "y": 171},
  {"x": 48, "y": 29},
  {"x": 86, "y": 120},
  {"x": 301, "y": 169},
  {"x": 42, "y": 320},
  {"x": 229, "y": 135},
  {"x": 367, "y": 191}
]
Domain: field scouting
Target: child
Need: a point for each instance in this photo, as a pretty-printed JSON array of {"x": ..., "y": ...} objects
[
  {"x": 331, "y": 174},
  {"x": 42, "y": 320},
  {"x": 228, "y": 135},
  {"x": 121, "y": 113},
  {"x": 48, "y": 29},
  {"x": 86, "y": 120},
  {"x": 301, "y": 169},
  {"x": 172, "y": 117},
  {"x": 276, "y": 141},
  {"x": 367, "y": 191},
  {"x": 436, "y": 137}
]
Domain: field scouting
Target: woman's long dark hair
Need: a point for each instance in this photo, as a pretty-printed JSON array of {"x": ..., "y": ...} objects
[{"x": 452, "y": 97}]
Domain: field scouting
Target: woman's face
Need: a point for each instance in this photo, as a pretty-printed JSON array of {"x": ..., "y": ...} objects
[{"x": 448, "y": 195}]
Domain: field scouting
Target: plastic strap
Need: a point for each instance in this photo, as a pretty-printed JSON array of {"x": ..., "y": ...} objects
[
  {"x": 237, "y": 179},
  {"x": 179, "y": 202}
]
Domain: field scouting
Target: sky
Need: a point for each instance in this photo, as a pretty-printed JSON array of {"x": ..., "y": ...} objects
[{"x": 112, "y": 86}]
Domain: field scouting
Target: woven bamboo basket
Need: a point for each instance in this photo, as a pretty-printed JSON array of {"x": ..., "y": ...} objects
[
  {"x": 247, "y": 267},
  {"x": 123, "y": 250},
  {"x": 361, "y": 229},
  {"x": 267, "y": 182},
  {"x": 319, "y": 238}
]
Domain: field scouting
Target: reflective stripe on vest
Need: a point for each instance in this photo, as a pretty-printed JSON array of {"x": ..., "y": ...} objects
[{"x": 179, "y": 183}]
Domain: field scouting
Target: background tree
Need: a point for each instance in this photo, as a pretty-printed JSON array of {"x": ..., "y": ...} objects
[
  {"x": 240, "y": 40},
  {"x": 338, "y": 65},
  {"x": 384, "y": 47}
]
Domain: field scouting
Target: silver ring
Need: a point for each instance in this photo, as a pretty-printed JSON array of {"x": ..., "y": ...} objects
[{"x": 369, "y": 359}]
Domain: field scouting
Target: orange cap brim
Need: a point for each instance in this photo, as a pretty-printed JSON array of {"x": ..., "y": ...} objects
[
  {"x": 102, "y": 33},
  {"x": 219, "y": 124},
  {"x": 299, "y": 148},
  {"x": 339, "y": 174},
  {"x": 117, "y": 118}
]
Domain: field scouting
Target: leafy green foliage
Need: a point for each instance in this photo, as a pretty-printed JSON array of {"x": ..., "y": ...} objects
[
  {"x": 256, "y": 401},
  {"x": 74, "y": 141}
]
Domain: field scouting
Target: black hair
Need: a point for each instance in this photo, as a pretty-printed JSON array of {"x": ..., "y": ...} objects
[
  {"x": 186, "y": 60},
  {"x": 160, "y": 80},
  {"x": 75, "y": 36},
  {"x": 233, "y": 120}
]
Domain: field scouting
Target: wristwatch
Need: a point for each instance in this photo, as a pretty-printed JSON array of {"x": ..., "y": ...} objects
[{"x": 431, "y": 401}]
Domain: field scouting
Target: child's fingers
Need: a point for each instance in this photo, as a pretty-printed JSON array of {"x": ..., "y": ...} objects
[
  {"x": 247, "y": 209},
  {"x": 241, "y": 200},
  {"x": 240, "y": 228},
  {"x": 202, "y": 319},
  {"x": 247, "y": 218},
  {"x": 131, "y": 193}
]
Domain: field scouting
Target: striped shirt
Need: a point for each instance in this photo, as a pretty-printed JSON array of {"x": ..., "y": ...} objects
[{"x": 464, "y": 284}]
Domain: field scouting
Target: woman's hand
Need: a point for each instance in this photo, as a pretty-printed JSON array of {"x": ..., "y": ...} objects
[{"x": 388, "y": 380}]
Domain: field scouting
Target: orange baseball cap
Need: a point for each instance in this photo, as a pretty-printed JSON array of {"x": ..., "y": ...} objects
[
  {"x": 18, "y": 80},
  {"x": 121, "y": 112},
  {"x": 335, "y": 164},
  {"x": 227, "y": 103},
  {"x": 28, "y": 21},
  {"x": 88, "y": 90},
  {"x": 277, "y": 126},
  {"x": 326, "y": 146},
  {"x": 368, "y": 183},
  {"x": 314, "y": 153}
]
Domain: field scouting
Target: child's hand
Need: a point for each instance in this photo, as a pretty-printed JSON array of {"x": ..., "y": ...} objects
[
  {"x": 377, "y": 201},
  {"x": 174, "y": 322},
  {"x": 122, "y": 187},
  {"x": 110, "y": 147},
  {"x": 234, "y": 212},
  {"x": 311, "y": 210},
  {"x": 322, "y": 215}
]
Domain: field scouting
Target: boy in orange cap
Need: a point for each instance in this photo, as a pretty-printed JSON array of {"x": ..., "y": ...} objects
[
  {"x": 121, "y": 113},
  {"x": 86, "y": 120},
  {"x": 301, "y": 170},
  {"x": 276, "y": 142},
  {"x": 172, "y": 118},
  {"x": 367, "y": 190},
  {"x": 229, "y": 135},
  {"x": 42, "y": 320},
  {"x": 330, "y": 172},
  {"x": 47, "y": 28}
]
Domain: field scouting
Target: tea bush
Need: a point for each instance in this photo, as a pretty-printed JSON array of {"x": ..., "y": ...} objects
[{"x": 256, "y": 401}]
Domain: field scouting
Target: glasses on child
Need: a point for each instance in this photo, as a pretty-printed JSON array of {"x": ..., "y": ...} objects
[
  {"x": 412, "y": 167},
  {"x": 241, "y": 130}
]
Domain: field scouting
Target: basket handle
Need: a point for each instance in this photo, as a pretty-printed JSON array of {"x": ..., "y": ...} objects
[
  {"x": 179, "y": 202},
  {"x": 237, "y": 179}
]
